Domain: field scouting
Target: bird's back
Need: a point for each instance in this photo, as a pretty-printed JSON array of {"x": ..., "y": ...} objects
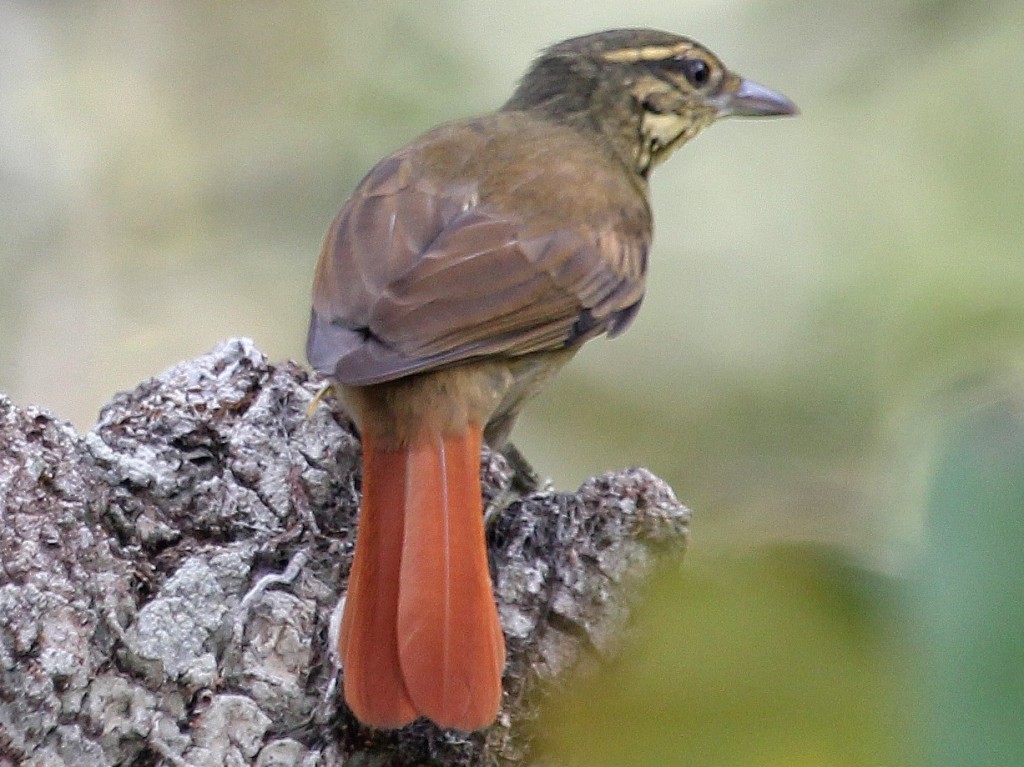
[{"x": 504, "y": 234}]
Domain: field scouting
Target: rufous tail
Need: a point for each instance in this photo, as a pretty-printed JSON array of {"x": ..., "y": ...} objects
[
  {"x": 368, "y": 642},
  {"x": 420, "y": 634}
]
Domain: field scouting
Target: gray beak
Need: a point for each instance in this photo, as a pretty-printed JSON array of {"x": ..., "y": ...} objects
[{"x": 754, "y": 100}]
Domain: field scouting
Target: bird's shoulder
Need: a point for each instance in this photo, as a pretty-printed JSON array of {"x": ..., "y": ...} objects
[{"x": 544, "y": 172}]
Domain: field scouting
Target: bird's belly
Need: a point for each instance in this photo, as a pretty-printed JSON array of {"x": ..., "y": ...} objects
[{"x": 522, "y": 378}]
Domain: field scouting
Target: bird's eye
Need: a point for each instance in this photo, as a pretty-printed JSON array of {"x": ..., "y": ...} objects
[{"x": 696, "y": 71}]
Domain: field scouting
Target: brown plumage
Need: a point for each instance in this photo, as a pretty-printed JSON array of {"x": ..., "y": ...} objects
[{"x": 465, "y": 269}]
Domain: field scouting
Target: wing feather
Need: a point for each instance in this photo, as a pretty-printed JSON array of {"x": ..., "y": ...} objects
[{"x": 416, "y": 275}]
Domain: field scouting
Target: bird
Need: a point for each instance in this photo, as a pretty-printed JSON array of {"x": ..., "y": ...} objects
[{"x": 464, "y": 271}]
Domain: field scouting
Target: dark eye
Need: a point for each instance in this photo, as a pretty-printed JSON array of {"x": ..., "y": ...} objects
[{"x": 696, "y": 71}]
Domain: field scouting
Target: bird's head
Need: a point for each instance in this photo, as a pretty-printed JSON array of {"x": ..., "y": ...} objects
[{"x": 646, "y": 91}]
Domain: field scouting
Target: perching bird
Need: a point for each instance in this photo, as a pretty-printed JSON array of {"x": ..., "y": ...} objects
[{"x": 464, "y": 271}]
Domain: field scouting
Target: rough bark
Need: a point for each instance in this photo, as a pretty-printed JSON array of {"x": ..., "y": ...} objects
[{"x": 168, "y": 581}]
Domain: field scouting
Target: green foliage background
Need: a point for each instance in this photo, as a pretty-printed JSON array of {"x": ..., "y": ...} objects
[{"x": 830, "y": 297}]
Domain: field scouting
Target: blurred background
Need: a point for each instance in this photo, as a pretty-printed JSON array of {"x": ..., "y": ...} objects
[{"x": 826, "y": 367}]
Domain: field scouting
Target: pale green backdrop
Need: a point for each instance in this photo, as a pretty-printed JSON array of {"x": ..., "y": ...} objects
[{"x": 829, "y": 295}]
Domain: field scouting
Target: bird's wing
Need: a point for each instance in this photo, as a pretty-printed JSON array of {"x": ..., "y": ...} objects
[{"x": 416, "y": 275}]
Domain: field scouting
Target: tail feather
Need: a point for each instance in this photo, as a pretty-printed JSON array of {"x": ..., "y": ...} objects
[
  {"x": 420, "y": 634},
  {"x": 368, "y": 642},
  {"x": 450, "y": 645}
]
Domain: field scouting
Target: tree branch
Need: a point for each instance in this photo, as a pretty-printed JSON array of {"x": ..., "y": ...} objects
[{"x": 168, "y": 580}]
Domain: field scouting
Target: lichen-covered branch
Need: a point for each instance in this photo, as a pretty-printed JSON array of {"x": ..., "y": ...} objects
[{"x": 168, "y": 580}]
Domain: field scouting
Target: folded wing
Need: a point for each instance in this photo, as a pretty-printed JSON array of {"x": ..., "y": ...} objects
[{"x": 417, "y": 275}]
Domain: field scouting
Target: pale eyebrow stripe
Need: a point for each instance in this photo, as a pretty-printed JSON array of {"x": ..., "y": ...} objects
[{"x": 647, "y": 53}]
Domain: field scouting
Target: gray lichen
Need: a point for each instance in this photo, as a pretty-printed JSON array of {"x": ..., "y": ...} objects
[{"x": 168, "y": 579}]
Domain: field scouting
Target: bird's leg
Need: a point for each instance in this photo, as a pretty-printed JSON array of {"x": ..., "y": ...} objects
[
  {"x": 320, "y": 394},
  {"x": 525, "y": 480}
]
